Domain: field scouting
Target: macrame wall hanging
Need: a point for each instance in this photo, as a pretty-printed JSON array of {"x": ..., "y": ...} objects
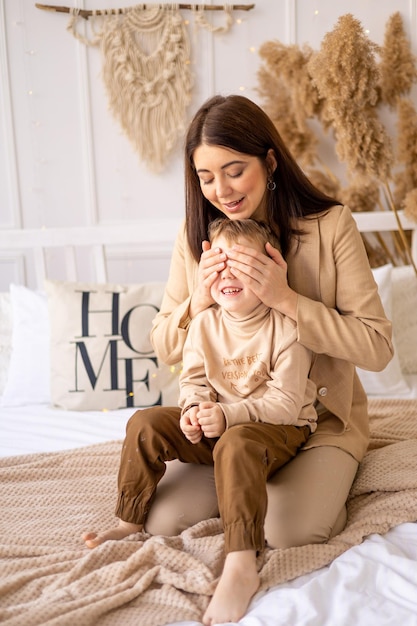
[{"x": 146, "y": 70}]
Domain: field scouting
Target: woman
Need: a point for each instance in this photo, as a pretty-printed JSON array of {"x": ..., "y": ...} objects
[{"x": 237, "y": 165}]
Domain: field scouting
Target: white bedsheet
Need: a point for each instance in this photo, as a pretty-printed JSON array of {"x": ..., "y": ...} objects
[
  {"x": 41, "y": 428},
  {"x": 374, "y": 584}
]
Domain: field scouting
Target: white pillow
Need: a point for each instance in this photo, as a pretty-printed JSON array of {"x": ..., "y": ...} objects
[
  {"x": 101, "y": 355},
  {"x": 28, "y": 375},
  {"x": 404, "y": 316},
  {"x": 390, "y": 382},
  {"x": 6, "y": 326}
]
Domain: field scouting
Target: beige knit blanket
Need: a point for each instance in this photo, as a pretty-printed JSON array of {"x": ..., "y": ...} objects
[{"x": 48, "y": 577}]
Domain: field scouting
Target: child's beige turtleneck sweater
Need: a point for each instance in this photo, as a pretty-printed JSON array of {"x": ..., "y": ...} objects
[{"x": 253, "y": 366}]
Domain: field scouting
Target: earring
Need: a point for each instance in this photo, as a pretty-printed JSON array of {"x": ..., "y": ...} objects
[{"x": 271, "y": 184}]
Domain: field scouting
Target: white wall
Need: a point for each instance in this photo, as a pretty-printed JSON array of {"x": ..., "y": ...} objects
[{"x": 63, "y": 158}]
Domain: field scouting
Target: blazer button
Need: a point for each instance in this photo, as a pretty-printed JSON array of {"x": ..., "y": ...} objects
[{"x": 322, "y": 391}]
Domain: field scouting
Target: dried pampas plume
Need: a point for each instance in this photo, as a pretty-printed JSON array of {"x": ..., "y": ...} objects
[
  {"x": 290, "y": 65},
  {"x": 290, "y": 96},
  {"x": 298, "y": 137},
  {"x": 346, "y": 75},
  {"x": 406, "y": 179},
  {"x": 326, "y": 183},
  {"x": 361, "y": 198},
  {"x": 398, "y": 70}
]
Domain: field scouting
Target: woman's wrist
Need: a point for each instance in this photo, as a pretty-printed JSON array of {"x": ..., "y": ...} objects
[
  {"x": 289, "y": 304},
  {"x": 197, "y": 305}
]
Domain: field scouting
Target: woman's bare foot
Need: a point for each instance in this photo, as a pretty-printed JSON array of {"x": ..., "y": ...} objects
[
  {"x": 237, "y": 585},
  {"x": 122, "y": 530}
]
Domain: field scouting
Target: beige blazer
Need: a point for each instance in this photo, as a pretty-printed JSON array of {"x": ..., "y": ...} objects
[{"x": 340, "y": 318}]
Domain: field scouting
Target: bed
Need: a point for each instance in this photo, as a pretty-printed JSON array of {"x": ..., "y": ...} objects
[{"x": 60, "y": 443}]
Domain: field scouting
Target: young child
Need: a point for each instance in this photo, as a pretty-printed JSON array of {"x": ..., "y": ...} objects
[
  {"x": 245, "y": 389},
  {"x": 247, "y": 406}
]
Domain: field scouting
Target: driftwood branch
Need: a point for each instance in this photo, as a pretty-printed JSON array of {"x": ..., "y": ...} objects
[{"x": 189, "y": 7}]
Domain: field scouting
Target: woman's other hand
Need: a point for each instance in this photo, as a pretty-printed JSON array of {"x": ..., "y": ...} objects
[
  {"x": 265, "y": 275},
  {"x": 212, "y": 261}
]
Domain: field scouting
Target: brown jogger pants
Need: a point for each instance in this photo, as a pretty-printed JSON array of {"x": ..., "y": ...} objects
[{"x": 244, "y": 457}]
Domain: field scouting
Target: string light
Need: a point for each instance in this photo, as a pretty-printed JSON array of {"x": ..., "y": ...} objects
[{"x": 251, "y": 49}]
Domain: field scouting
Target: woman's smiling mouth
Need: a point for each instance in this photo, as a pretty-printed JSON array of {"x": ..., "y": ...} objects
[{"x": 232, "y": 206}]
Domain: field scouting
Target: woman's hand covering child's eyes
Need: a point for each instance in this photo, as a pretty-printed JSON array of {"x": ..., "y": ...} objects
[
  {"x": 212, "y": 261},
  {"x": 266, "y": 275}
]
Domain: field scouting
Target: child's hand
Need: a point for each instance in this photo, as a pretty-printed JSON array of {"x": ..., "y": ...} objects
[
  {"x": 211, "y": 419},
  {"x": 190, "y": 426}
]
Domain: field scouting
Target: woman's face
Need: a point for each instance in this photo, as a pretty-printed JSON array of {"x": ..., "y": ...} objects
[{"x": 235, "y": 183}]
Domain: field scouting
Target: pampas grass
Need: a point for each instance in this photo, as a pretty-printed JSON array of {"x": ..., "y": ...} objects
[
  {"x": 342, "y": 89},
  {"x": 398, "y": 70},
  {"x": 290, "y": 97},
  {"x": 406, "y": 178},
  {"x": 346, "y": 75}
]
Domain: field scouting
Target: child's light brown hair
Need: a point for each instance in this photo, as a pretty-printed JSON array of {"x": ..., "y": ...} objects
[{"x": 233, "y": 230}]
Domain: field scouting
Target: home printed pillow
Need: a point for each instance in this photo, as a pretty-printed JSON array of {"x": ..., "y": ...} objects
[{"x": 100, "y": 350}]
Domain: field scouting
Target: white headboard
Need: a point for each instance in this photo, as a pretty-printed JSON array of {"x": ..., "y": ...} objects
[
  {"x": 32, "y": 252},
  {"x": 385, "y": 221},
  {"x": 146, "y": 241}
]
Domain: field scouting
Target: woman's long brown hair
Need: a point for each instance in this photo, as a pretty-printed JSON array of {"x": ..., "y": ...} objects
[{"x": 237, "y": 123}]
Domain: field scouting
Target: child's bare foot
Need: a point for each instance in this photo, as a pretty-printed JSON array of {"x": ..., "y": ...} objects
[
  {"x": 122, "y": 530},
  {"x": 237, "y": 585}
]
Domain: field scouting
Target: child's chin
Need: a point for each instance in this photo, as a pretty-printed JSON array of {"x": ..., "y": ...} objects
[{"x": 232, "y": 309}]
